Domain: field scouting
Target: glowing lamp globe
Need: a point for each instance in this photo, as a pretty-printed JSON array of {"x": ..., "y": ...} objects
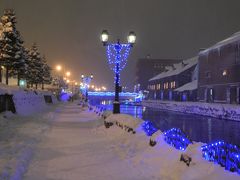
[
  {"x": 131, "y": 38},
  {"x": 68, "y": 73},
  {"x": 104, "y": 36},
  {"x": 59, "y": 68}
]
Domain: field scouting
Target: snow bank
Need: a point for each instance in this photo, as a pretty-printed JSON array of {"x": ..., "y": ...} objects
[
  {"x": 161, "y": 161},
  {"x": 124, "y": 120},
  {"x": 222, "y": 111},
  {"x": 106, "y": 114},
  {"x": 27, "y": 101},
  {"x": 165, "y": 163}
]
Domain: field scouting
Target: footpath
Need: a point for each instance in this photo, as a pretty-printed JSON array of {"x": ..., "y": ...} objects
[{"x": 70, "y": 150}]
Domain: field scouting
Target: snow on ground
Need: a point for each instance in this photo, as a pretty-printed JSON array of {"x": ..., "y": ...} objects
[
  {"x": 27, "y": 101},
  {"x": 78, "y": 146},
  {"x": 222, "y": 111},
  {"x": 124, "y": 120},
  {"x": 74, "y": 149},
  {"x": 18, "y": 138},
  {"x": 163, "y": 161},
  {"x": 71, "y": 142}
]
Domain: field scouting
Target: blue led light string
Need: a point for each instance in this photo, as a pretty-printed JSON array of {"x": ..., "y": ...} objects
[
  {"x": 113, "y": 56},
  {"x": 117, "y": 53},
  {"x": 149, "y": 128},
  {"x": 224, "y": 154},
  {"x": 176, "y": 138}
]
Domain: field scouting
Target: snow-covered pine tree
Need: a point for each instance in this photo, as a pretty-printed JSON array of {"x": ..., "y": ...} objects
[
  {"x": 47, "y": 79},
  {"x": 19, "y": 64},
  {"x": 28, "y": 65},
  {"x": 35, "y": 66},
  {"x": 11, "y": 46},
  {"x": 1, "y": 34}
]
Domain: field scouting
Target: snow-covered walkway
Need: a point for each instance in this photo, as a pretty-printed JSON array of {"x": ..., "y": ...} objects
[
  {"x": 68, "y": 142},
  {"x": 71, "y": 150}
]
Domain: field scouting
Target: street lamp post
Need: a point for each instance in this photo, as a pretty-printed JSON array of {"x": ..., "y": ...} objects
[
  {"x": 61, "y": 73},
  {"x": 117, "y": 54},
  {"x": 86, "y": 82}
]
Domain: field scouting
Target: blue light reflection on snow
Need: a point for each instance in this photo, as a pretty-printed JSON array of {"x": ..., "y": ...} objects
[{"x": 64, "y": 96}]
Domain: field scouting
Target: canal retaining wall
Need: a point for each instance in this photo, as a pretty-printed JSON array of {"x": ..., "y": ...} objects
[{"x": 222, "y": 111}]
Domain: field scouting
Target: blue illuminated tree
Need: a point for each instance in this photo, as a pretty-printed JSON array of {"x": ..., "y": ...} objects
[{"x": 117, "y": 54}]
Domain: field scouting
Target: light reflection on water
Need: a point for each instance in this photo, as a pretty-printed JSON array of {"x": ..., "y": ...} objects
[{"x": 198, "y": 128}]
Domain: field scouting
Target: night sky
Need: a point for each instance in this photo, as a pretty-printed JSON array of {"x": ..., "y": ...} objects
[{"x": 67, "y": 31}]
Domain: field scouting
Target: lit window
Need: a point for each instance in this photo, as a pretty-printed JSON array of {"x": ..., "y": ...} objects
[
  {"x": 166, "y": 85},
  {"x": 173, "y": 84},
  {"x": 211, "y": 92},
  {"x": 224, "y": 72}
]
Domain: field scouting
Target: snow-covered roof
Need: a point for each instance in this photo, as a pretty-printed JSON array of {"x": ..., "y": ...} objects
[
  {"x": 188, "y": 87},
  {"x": 234, "y": 38},
  {"x": 177, "y": 68}
]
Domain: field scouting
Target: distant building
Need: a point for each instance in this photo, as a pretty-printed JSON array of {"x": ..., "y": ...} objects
[
  {"x": 219, "y": 72},
  {"x": 147, "y": 68},
  {"x": 177, "y": 82}
]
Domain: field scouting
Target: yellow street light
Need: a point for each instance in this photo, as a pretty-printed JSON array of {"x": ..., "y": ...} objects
[
  {"x": 68, "y": 74},
  {"x": 58, "y": 68}
]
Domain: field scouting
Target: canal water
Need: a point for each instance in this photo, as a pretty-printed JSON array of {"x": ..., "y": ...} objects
[{"x": 198, "y": 128}]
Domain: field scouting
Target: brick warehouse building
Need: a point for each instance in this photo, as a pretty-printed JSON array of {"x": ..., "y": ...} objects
[
  {"x": 177, "y": 82},
  {"x": 219, "y": 72},
  {"x": 147, "y": 68}
]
